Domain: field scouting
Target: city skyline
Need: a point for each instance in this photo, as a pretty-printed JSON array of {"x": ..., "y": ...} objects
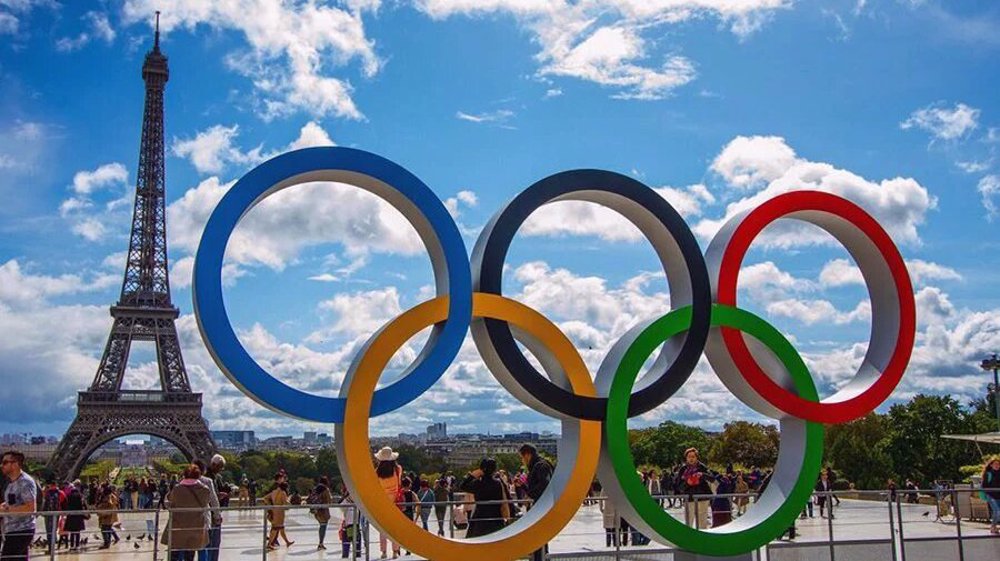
[{"x": 682, "y": 98}]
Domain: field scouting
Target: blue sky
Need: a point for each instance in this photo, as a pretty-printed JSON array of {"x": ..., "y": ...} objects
[{"x": 717, "y": 104}]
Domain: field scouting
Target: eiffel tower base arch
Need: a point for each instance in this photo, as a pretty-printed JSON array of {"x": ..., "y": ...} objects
[{"x": 105, "y": 416}]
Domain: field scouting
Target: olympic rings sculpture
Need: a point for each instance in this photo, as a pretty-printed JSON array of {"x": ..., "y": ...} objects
[{"x": 753, "y": 360}]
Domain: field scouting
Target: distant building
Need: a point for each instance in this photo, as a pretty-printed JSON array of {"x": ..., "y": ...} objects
[
  {"x": 437, "y": 431},
  {"x": 235, "y": 440}
]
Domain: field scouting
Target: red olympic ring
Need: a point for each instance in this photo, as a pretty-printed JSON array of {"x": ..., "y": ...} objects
[{"x": 849, "y": 404}]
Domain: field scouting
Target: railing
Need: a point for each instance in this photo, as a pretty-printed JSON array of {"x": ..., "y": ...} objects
[{"x": 943, "y": 525}]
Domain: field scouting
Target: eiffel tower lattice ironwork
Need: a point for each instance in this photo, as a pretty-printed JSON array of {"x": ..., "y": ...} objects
[{"x": 144, "y": 312}]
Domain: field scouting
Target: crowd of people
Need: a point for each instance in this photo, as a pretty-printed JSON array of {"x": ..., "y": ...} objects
[{"x": 495, "y": 497}]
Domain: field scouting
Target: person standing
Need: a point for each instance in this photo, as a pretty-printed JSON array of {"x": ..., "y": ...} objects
[
  {"x": 213, "y": 516},
  {"x": 609, "y": 515},
  {"x": 490, "y": 499},
  {"x": 75, "y": 523},
  {"x": 743, "y": 494},
  {"x": 322, "y": 497},
  {"x": 823, "y": 497},
  {"x": 390, "y": 476},
  {"x": 653, "y": 486},
  {"x": 162, "y": 489},
  {"x": 539, "y": 474},
  {"x": 220, "y": 498},
  {"x": 722, "y": 502},
  {"x": 19, "y": 497},
  {"x": 832, "y": 475},
  {"x": 53, "y": 501},
  {"x": 991, "y": 488},
  {"x": 188, "y": 527},
  {"x": 692, "y": 479}
]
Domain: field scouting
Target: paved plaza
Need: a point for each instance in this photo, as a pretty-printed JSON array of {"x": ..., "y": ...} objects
[{"x": 242, "y": 536}]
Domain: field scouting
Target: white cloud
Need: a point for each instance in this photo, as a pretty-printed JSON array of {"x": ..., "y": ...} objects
[
  {"x": 841, "y": 272},
  {"x": 19, "y": 288},
  {"x": 811, "y": 312},
  {"x": 213, "y": 149},
  {"x": 580, "y": 218},
  {"x": 899, "y": 204},
  {"x": 360, "y": 313},
  {"x": 942, "y": 122},
  {"x": 105, "y": 176},
  {"x": 607, "y": 41},
  {"x": 553, "y": 92},
  {"x": 974, "y": 166},
  {"x": 989, "y": 190},
  {"x": 87, "y": 219},
  {"x": 291, "y": 48},
  {"x": 462, "y": 198},
  {"x": 748, "y": 162},
  {"x": 498, "y": 116},
  {"x": 98, "y": 28}
]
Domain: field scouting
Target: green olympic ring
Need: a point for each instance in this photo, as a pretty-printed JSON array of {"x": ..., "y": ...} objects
[{"x": 777, "y": 508}]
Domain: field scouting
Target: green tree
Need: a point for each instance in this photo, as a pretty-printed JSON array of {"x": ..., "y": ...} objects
[
  {"x": 747, "y": 444},
  {"x": 857, "y": 451},
  {"x": 664, "y": 445},
  {"x": 916, "y": 447}
]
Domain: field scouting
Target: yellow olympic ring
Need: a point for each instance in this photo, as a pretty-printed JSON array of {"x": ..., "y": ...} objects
[{"x": 572, "y": 477}]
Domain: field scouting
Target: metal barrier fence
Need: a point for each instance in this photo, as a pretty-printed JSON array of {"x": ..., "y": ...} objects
[{"x": 923, "y": 525}]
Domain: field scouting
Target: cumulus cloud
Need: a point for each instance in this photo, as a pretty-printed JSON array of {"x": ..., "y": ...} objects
[
  {"x": 98, "y": 27},
  {"x": 498, "y": 116},
  {"x": 87, "y": 218},
  {"x": 291, "y": 47},
  {"x": 607, "y": 42},
  {"x": 942, "y": 122},
  {"x": 748, "y": 162},
  {"x": 766, "y": 167},
  {"x": 580, "y": 218},
  {"x": 213, "y": 149}
]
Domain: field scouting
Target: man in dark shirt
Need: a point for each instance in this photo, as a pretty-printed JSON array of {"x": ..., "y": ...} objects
[{"x": 539, "y": 474}]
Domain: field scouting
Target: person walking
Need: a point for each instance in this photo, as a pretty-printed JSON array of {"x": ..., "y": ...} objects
[
  {"x": 279, "y": 498},
  {"x": 390, "y": 476},
  {"x": 323, "y": 498},
  {"x": 490, "y": 498},
  {"x": 442, "y": 496},
  {"x": 75, "y": 523},
  {"x": 991, "y": 488},
  {"x": 426, "y": 498},
  {"x": 187, "y": 530},
  {"x": 693, "y": 479},
  {"x": 162, "y": 489},
  {"x": 539, "y": 474},
  {"x": 107, "y": 515},
  {"x": 20, "y": 498},
  {"x": 824, "y": 488}
]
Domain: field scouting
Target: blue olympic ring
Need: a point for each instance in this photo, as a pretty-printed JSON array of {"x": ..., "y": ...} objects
[{"x": 400, "y": 188}]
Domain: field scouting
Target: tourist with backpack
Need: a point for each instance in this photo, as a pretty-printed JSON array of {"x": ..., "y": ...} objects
[
  {"x": 426, "y": 497},
  {"x": 53, "y": 500},
  {"x": 322, "y": 497}
]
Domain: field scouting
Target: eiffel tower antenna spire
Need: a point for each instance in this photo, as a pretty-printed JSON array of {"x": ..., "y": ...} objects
[{"x": 144, "y": 312}]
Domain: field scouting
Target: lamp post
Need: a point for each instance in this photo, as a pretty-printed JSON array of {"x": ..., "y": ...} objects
[{"x": 994, "y": 365}]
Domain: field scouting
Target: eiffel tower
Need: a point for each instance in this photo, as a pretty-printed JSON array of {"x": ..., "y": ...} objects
[{"x": 144, "y": 312}]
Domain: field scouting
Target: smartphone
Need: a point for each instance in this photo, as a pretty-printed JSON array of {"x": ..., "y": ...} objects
[{"x": 11, "y": 499}]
